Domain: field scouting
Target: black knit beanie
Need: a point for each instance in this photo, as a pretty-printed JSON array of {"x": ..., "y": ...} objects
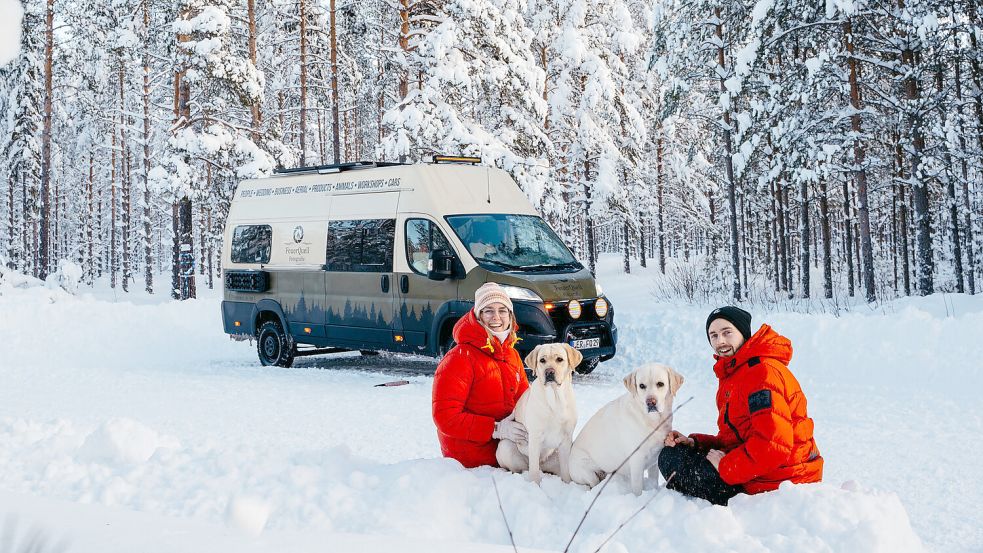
[{"x": 738, "y": 317}]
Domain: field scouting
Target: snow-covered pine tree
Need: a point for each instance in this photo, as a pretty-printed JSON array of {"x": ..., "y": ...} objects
[
  {"x": 477, "y": 93},
  {"x": 23, "y": 94}
]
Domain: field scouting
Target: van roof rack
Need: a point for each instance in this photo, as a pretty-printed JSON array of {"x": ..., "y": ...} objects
[
  {"x": 337, "y": 167},
  {"x": 457, "y": 159}
]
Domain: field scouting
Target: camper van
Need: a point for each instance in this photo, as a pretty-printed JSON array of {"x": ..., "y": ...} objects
[{"x": 386, "y": 257}]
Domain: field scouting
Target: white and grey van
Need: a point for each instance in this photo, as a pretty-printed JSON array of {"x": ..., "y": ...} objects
[{"x": 386, "y": 257}]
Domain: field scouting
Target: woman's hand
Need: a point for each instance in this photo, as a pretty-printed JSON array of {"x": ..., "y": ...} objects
[
  {"x": 510, "y": 429},
  {"x": 674, "y": 438},
  {"x": 714, "y": 456}
]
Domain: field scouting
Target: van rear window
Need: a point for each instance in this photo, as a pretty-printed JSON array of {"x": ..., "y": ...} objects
[
  {"x": 252, "y": 244},
  {"x": 363, "y": 246}
]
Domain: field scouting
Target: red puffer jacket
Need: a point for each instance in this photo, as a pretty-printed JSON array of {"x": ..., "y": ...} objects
[
  {"x": 476, "y": 384},
  {"x": 763, "y": 425}
]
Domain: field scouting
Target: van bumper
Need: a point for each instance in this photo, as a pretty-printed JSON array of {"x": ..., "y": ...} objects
[
  {"x": 238, "y": 317},
  {"x": 537, "y": 327}
]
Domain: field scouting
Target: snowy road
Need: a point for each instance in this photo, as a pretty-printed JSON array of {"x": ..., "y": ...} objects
[{"x": 148, "y": 408}]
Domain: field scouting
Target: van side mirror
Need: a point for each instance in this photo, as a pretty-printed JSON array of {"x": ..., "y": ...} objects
[{"x": 440, "y": 264}]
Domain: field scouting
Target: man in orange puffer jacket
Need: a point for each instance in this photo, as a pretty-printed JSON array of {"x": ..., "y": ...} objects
[{"x": 764, "y": 433}]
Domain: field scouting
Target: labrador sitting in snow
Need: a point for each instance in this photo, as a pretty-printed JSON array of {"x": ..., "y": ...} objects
[
  {"x": 611, "y": 435},
  {"x": 549, "y": 412}
]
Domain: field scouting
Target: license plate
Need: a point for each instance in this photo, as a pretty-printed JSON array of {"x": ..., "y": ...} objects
[{"x": 588, "y": 343}]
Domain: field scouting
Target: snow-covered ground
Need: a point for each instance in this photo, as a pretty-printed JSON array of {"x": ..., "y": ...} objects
[{"x": 131, "y": 423}]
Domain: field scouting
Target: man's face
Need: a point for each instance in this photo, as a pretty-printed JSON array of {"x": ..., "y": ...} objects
[{"x": 724, "y": 337}]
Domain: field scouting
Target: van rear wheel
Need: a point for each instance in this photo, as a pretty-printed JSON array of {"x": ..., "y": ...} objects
[
  {"x": 275, "y": 348},
  {"x": 588, "y": 365}
]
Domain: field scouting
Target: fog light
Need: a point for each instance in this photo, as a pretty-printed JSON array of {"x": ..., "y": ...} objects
[
  {"x": 601, "y": 307},
  {"x": 575, "y": 309}
]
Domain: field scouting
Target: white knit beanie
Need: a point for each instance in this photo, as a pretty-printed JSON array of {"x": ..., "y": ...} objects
[{"x": 488, "y": 294}]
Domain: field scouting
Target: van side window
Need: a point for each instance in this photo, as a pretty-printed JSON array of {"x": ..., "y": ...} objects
[
  {"x": 252, "y": 244},
  {"x": 364, "y": 246},
  {"x": 423, "y": 237}
]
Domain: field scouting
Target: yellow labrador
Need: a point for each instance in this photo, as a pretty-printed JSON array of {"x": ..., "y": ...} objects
[
  {"x": 619, "y": 427},
  {"x": 548, "y": 411}
]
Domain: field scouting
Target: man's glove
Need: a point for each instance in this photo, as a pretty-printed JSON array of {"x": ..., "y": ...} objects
[{"x": 510, "y": 429}]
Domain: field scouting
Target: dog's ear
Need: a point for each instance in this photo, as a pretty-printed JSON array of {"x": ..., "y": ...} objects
[
  {"x": 530, "y": 359},
  {"x": 630, "y": 382},
  {"x": 574, "y": 357},
  {"x": 675, "y": 380}
]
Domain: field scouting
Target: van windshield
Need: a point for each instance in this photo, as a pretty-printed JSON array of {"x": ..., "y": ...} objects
[{"x": 502, "y": 242}]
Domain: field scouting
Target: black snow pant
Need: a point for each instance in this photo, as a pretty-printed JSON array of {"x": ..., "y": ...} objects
[{"x": 695, "y": 476}]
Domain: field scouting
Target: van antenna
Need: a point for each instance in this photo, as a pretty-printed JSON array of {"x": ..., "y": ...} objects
[{"x": 488, "y": 183}]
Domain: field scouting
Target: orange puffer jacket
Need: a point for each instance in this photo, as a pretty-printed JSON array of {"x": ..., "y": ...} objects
[
  {"x": 763, "y": 425},
  {"x": 476, "y": 384}
]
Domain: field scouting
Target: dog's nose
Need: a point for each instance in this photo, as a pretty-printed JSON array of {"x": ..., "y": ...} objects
[
  {"x": 652, "y": 405},
  {"x": 550, "y": 375}
]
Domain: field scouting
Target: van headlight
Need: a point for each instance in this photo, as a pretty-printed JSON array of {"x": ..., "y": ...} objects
[
  {"x": 575, "y": 309},
  {"x": 601, "y": 307},
  {"x": 517, "y": 293}
]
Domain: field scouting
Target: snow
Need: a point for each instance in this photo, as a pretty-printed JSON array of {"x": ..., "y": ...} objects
[
  {"x": 130, "y": 422},
  {"x": 10, "y": 25}
]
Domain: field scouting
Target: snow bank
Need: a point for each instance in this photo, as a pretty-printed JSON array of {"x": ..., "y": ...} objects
[{"x": 432, "y": 499}]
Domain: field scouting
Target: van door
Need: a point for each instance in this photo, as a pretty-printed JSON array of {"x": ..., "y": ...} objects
[
  {"x": 420, "y": 298},
  {"x": 359, "y": 271}
]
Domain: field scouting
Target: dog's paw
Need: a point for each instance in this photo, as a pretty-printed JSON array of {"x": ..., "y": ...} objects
[{"x": 535, "y": 478}]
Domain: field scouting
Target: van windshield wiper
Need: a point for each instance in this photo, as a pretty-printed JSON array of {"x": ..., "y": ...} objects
[
  {"x": 547, "y": 266},
  {"x": 502, "y": 264}
]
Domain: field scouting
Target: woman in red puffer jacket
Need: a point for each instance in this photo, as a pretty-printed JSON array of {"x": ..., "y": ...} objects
[{"x": 479, "y": 381}]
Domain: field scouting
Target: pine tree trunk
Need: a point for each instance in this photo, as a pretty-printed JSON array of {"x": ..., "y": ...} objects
[
  {"x": 919, "y": 186},
  {"x": 44, "y": 262},
  {"x": 894, "y": 233},
  {"x": 113, "y": 261},
  {"x": 729, "y": 163},
  {"x": 627, "y": 246},
  {"x": 187, "y": 253},
  {"x": 903, "y": 223},
  {"x": 176, "y": 250},
  {"x": 255, "y": 108},
  {"x": 660, "y": 221},
  {"x": 775, "y": 238},
  {"x": 968, "y": 221},
  {"x": 949, "y": 177},
  {"x": 859, "y": 155},
  {"x": 804, "y": 236},
  {"x": 148, "y": 273},
  {"x": 642, "y": 236},
  {"x": 182, "y": 116},
  {"x": 303, "y": 83},
  {"x": 848, "y": 230},
  {"x": 827, "y": 239},
  {"x": 589, "y": 222},
  {"x": 334, "y": 86},
  {"x": 125, "y": 190}
]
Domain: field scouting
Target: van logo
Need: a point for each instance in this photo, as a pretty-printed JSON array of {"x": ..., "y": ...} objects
[{"x": 298, "y": 233}]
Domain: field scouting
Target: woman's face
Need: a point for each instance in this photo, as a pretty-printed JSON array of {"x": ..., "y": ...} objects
[{"x": 495, "y": 316}]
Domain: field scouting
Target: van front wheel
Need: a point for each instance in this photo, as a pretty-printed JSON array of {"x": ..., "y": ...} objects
[
  {"x": 275, "y": 347},
  {"x": 588, "y": 365}
]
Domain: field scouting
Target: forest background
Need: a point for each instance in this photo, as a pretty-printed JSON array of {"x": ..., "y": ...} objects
[{"x": 757, "y": 151}]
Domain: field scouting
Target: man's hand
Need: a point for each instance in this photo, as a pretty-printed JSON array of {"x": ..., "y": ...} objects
[
  {"x": 675, "y": 438},
  {"x": 714, "y": 456},
  {"x": 510, "y": 429}
]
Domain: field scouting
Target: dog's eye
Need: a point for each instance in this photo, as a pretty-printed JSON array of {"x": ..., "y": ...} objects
[
  {"x": 559, "y": 359},
  {"x": 659, "y": 385},
  {"x": 542, "y": 359},
  {"x": 642, "y": 386}
]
